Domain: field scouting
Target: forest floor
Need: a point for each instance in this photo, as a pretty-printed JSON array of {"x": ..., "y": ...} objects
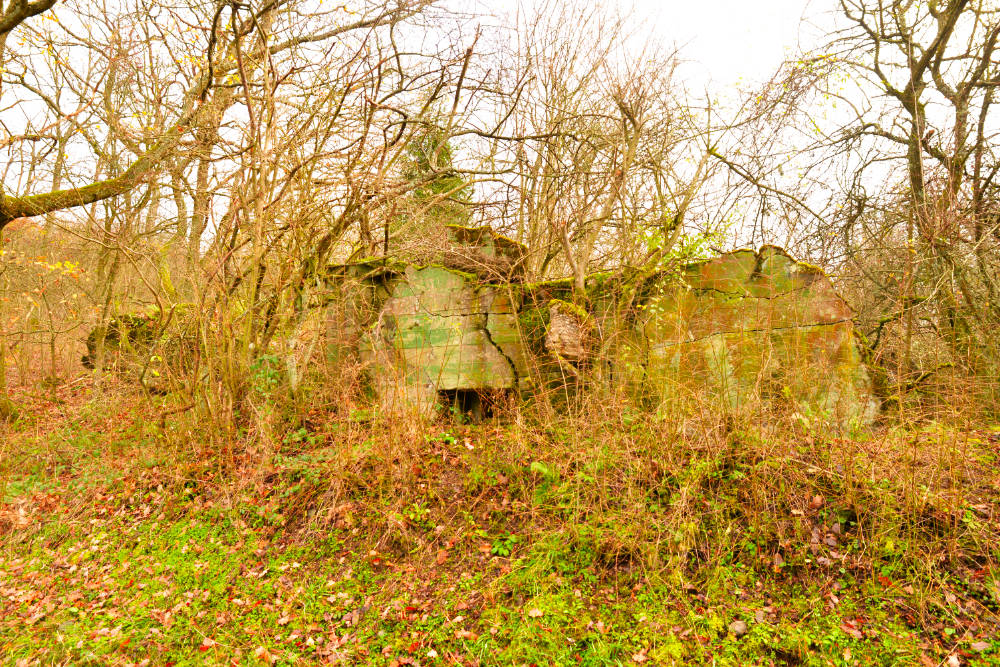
[{"x": 618, "y": 543}]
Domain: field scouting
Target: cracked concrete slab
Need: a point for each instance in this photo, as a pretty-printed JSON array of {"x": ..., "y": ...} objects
[{"x": 746, "y": 326}]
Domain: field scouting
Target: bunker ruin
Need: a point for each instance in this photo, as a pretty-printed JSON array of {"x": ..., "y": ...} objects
[{"x": 742, "y": 327}]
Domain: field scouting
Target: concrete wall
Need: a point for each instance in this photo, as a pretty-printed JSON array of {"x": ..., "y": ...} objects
[{"x": 741, "y": 328}]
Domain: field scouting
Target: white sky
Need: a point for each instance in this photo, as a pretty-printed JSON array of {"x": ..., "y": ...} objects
[
  {"x": 723, "y": 43},
  {"x": 730, "y": 41}
]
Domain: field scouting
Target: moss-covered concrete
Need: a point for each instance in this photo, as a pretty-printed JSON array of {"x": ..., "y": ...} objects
[
  {"x": 743, "y": 327},
  {"x": 750, "y": 326},
  {"x": 439, "y": 330}
]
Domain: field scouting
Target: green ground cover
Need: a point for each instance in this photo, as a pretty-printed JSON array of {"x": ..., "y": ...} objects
[{"x": 628, "y": 543}]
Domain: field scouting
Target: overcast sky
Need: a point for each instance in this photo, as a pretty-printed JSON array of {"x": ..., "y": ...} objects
[
  {"x": 731, "y": 40},
  {"x": 725, "y": 42}
]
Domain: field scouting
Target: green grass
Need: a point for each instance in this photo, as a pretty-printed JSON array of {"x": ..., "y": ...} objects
[
  {"x": 619, "y": 544},
  {"x": 128, "y": 589}
]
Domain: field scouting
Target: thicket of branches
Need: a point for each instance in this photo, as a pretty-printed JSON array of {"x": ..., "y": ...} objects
[{"x": 206, "y": 162}]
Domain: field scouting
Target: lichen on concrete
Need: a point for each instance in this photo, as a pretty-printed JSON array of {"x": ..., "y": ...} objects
[
  {"x": 440, "y": 330},
  {"x": 743, "y": 327},
  {"x": 753, "y": 326}
]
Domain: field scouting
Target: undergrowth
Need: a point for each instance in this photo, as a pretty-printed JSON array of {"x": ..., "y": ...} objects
[{"x": 608, "y": 536}]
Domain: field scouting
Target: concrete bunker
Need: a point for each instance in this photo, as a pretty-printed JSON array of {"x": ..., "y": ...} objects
[{"x": 742, "y": 327}]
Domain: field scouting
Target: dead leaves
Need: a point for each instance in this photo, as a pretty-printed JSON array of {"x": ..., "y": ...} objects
[
  {"x": 264, "y": 655},
  {"x": 852, "y": 628},
  {"x": 353, "y": 617},
  {"x": 13, "y": 518},
  {"x": 34, "y": 618}
]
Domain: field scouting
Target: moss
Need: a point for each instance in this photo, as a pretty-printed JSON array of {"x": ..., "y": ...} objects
[
  {"x": 488, "y": 240},
  {"x": 702, "y": 262},
  {"x": 377, "y": 262},
  {"x": 594, "y": 281},
  {"x": 533, "y": 323},
  {"x": 362, "y": 261},
  {"x": 557, "y": 283},
  {"x": 464, "y": 275},
  {"x": 568, "y": 307},
  {"x": 510, "y": 243},
  {"x": 805, "y": 266},
  {"x": 811, "y": 268},
  {"x": 476, "y": 233},
  {"x": 598, "y": 281},
  {"x": 366, "y": 269},
  {"x": 465, "y": 228},
  {"x": 469, "y": 235}
]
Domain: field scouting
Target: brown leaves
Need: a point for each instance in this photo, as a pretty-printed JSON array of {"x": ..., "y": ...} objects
[
  {"x": 354, "y": 616},
  {"x": 13, "y": 518},
  {"x": 34, "y": 618},
  {"x": 264, "y": 655},
  {"x": 398, "y": 662},
  {"x": 853, "y": 628},
  {"x": 351, "y": 618}
]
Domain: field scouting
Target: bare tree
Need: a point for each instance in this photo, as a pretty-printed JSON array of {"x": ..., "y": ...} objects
[
  {"x": 931, "y": 72},
  {"x": 597, "y": 154},
  {"x": 875, "y": 154},
  {"x": 217, "y": 62}
]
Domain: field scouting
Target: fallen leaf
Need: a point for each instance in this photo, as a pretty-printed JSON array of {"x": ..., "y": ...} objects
[
  {"x": 263, "y": 654},
  {"x": 849, "y": 628},
  {"x": 535, "y": 613}
]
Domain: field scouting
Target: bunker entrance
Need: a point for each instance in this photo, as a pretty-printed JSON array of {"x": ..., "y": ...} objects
[{"x": 475, "y": 405}]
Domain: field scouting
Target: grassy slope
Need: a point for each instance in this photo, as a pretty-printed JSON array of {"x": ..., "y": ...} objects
[{"x": 615, "y": 540}]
